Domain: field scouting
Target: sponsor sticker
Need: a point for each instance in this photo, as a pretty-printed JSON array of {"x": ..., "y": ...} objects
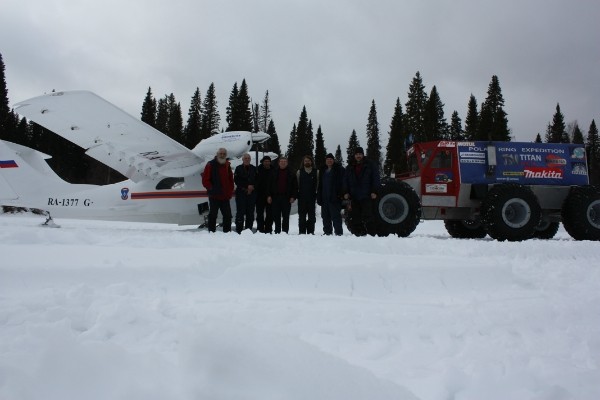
[
  {"x": 446, "y": 144},
  {"x": 231, "y": 137},
  {"x": 555, "y": 161},
  {"x": 578, "y": 153},
  {"x": 471, "y": 154},
  {"x": 124, "y": 193},
  {"x": 436, "y": 188},
  {"x": 543, "y": 173},
  {"x": 578, "y": 168}
]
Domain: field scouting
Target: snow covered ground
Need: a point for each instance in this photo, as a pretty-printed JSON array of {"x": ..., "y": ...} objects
[{"x": 105, "y": 310}]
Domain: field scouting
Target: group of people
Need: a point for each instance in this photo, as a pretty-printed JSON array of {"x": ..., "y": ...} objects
[{"x": 270, "y": 192}]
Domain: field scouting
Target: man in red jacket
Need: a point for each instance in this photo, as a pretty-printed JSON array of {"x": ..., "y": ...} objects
[{"x": 217, "y": 178}]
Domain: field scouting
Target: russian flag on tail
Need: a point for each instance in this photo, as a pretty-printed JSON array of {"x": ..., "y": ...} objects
[{"x": 8, "y": 164}]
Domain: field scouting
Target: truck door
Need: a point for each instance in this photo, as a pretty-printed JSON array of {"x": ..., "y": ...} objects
[{"x": 440, "y": 178}]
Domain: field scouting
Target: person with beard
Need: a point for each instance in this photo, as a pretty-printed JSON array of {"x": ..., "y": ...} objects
[
  {"x": 330, "y": 194},
  {"x": 308, "y": 178},
  {"x": 264, "y": 214},
  {"x": 361, "y": 184},
  {"x": 282, "y": 193},
  {"x": 217, "y": 178},
  {"x": 245, "y": 195}
]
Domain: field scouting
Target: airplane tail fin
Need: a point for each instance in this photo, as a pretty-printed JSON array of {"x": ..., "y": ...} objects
[{"x": 23, "y": 174}]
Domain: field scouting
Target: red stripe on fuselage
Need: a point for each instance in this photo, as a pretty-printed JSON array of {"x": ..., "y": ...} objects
[{"x": 168, "y": 195}]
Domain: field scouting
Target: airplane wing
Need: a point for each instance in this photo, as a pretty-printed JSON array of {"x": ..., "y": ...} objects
[{"x": 110, "y": 135}]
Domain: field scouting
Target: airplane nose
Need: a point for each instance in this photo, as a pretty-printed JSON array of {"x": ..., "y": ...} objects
[{"x": 259, "y": 137}]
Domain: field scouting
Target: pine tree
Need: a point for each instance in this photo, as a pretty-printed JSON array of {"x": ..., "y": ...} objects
[
  {"x": 556, "y": 130},
  {"x": 434, "y": 123},
  {"x": 162, "y": 115},
  {"x": 210, "y": 114},
  {"x": 175, "y": 119},
  {"x": 577, "y": 135},
  {"x": 5, "y": 128},
  {"x": 22, "y": 130},
  {"x": 538, "y": 138},
  {"x": 320, "y": 150},
  {"x": 353, "y": 143},
  {"x": 149, "y": 109},
  {"x": 456, "y": 130},
  {"x": 593, "y": 151},
  {"x": 415, "y": 109},
  {"x": 192, "y": 130},
  {"x": 292, "y": 143},
  {"x": 373, "y": 141},
  {"x": 310, "y": 139},
  {"x": 395, "y": 157},
  {"x": 273, "y": 143},
  {"x": 265, "y": 114},
  {"x": 232, "y": 112},
  {"x": 244, "y": 108},
  {"x": 338, "y": 156},
  {"x": 303, "y": 141},
  {"x": 36, "y": 134},
  {"x": 472, "y": 120},
  {"x": 493, "y": 123},
  {"x": 255, "y": 117}
]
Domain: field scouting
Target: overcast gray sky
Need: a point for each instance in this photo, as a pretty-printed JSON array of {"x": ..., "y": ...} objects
[{"x": 332, "y": 56}]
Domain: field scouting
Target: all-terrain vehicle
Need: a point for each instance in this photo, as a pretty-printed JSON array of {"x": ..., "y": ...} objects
[{"x": 507, "y": 190}]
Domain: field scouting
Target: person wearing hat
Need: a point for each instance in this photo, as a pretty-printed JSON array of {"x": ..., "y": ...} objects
[
  {"x": 264, "y": 215},
  {"x": 330, "y": 194},
  {"x": 361, "y": 184}
]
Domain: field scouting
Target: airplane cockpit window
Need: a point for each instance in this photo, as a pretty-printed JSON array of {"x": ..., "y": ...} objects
[{"x": 170, "y": 183}]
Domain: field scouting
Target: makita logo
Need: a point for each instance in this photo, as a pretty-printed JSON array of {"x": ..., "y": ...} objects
[{"x": 543, "y": 173}]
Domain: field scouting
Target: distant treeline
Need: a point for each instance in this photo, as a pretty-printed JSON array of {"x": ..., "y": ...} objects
[{"x": 422, "y": 119}]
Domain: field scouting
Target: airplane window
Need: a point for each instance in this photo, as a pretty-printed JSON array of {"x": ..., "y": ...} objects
[{"x": 170, "y": 183}]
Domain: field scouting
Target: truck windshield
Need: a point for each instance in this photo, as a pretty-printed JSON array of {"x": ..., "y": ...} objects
[{"x": 443, "y": 159}]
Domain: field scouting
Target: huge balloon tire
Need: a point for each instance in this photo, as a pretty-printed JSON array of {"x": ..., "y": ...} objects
[
  {"x": 465, "y": 229},
  {"x": 397, "y": 209},
  {"x": 546, "y": 230},
  {"x": 581, "y": 213},
  {"x": 510, "y": 212}
]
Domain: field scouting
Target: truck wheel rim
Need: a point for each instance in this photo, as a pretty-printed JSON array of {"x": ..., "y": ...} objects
[
  {"x": 516, "y": 213},
  {"x": 593, "y": 214},
  {"x": 393, "y": 208}
]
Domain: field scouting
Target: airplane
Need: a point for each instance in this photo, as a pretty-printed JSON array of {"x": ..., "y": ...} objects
[{"x": 164, "y": 182}]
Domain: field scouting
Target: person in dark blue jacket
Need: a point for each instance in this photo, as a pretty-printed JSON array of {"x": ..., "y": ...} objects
[
  {"x": 245, "y": 195},
  {"x": 361, "y": 185},
  {"x": 330, "y": 194}
]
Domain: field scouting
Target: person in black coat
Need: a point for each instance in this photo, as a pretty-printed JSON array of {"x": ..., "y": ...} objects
[
  {"x": 245, "y": 195},
  {"x": 361, "y": 185},
  {"x": 308, "y": 178},
  {"x": 264, "y": 214},
  {"x": 282, "y": 193},
  {"x": 330, "y": 194}
]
